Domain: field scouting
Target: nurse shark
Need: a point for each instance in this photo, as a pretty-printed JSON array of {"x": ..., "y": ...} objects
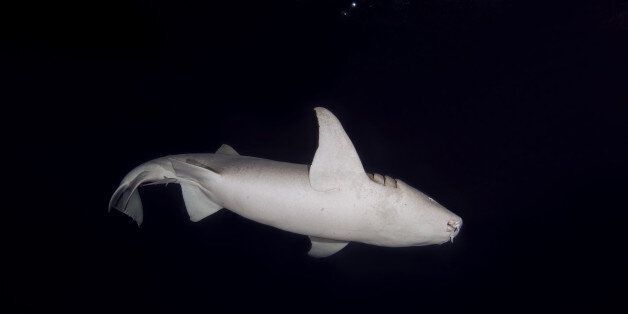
[{"x": 333, "y": 201}]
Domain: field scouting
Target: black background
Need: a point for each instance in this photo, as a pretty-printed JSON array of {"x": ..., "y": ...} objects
[{"x": 510, "y": 113}]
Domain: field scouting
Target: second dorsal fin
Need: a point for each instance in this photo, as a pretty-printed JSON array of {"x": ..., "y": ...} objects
[
  {"x": 226, "y": 150},
  {"x": 336, "y": 163}
]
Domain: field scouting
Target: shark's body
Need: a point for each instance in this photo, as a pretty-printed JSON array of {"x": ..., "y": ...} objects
[{"x": 334, "y": 201}]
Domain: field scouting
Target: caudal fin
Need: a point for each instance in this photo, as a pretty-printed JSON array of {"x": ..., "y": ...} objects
[
  {"x": 198, "y": 202},
  {"x": 127, "y": 198}
]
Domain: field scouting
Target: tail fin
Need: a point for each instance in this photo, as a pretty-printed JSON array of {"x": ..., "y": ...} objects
[
  {"x": 127, "y": 199},
  {"x": 198, "y": 200}
]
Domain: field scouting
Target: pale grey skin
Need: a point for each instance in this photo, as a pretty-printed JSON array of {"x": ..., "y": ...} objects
[{"x": 333, "y": 201}]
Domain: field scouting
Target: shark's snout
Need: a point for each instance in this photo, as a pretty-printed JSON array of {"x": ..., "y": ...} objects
[{"x": 453, "y": 227}]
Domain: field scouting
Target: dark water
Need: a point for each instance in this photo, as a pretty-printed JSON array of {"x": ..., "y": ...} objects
[{"x": 510, "y": 113}]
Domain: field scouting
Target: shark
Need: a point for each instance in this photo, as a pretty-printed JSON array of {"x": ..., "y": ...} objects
[{"x": 333, "y": 200}]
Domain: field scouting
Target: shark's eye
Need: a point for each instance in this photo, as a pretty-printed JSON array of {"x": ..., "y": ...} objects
[{"x": 432, "y": 200}]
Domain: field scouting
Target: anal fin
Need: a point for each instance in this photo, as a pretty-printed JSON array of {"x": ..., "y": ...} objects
[
  {"x": 325, "y": 247},
  {"x": 197, "y": 201}
]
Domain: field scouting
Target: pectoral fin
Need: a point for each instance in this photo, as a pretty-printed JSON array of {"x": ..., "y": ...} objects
[{"x": 325, "y": 247}]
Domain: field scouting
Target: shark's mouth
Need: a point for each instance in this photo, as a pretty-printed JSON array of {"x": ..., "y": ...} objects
[{"x": 453, "y": 227}]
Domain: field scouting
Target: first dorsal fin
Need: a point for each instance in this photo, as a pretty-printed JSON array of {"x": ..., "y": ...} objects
[
  {"x": 226, "y": 150},
  {"x": 336, "y": 163}
]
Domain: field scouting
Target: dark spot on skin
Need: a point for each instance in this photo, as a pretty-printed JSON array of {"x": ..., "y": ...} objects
[{"x": 199, "y": 164}]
